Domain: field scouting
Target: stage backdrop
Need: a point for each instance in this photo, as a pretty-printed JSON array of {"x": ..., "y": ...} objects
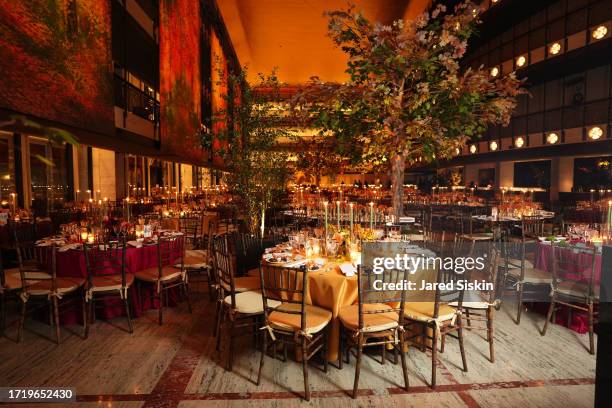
[
  {"x": 55, "y": 61},
  {"x": 180, "y": 82}
]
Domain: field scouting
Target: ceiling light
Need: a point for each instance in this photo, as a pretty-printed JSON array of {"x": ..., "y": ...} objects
[
  {"x": 552, "y": 138},
  {"x": 600, "y": 32},
  {"x": 519, "y": 142},
  {"x": 554, "y": 48},
  {"x": 493, "y": 146},
  {"x": 520, "y": 61},
  {"x": 494, "y": 71},
  {"x": 595, "y": 133},
  {"x": 473, "y": 149}
]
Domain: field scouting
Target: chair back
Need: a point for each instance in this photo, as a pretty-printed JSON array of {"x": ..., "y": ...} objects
[
  {"x": 105, "y": 257},
  {"x": 25, "y": 238},
  {"x": 369, "y": 285},
  {"x": 532, "y": 226},
  {"x": 191, "y": 226},
  {"x": 170, "y": 251},
  {"x": 285, "y": 285},
  {"x": 223, "y": 266},
  {"x": 575, "y": 266}
]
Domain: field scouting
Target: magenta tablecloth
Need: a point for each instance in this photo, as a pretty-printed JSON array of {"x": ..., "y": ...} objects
[
  {"x": 579, "y": 320},
  {"x": 72, "y": 263}
]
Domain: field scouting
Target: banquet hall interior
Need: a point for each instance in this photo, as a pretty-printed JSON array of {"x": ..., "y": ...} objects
[{"x": 194, "y": 195}]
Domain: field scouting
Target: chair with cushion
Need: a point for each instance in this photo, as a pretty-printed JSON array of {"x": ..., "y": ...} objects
[
  {"x": 198, "y": 261},
  {"x": 290, "y": 320},
  {"x": 37, "y": 286},
  {"x": 165, "y": 276},
  {"x": 106, "y": 276},
  {"x": 436, "y": 317},
  {"x": 376, "y": 320},
  {"x": 573, "y": 284}
]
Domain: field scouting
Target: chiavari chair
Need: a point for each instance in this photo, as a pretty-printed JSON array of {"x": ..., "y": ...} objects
[
  {"x": 10, "y": 284},
  {"x": 436, "y": 317},
  {"x": 191, "y": 227},
  {"x": 236, "y": 309},
  {"x": 532, "y": 227},
  {"x": 378, "y": 316},
  {"x": 574, "y": 284},
  {"x": 166, "y": 275},
  {"x": 107, "y": 277},
  {"x": 199, "y": 261},
  {"x": 289, "y": 320},
  {"x": 520, "y": 275}
]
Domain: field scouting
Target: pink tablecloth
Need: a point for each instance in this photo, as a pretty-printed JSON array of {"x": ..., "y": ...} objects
[
  {"x": 579, "y": 320},
  {"x": 72, "y": 263}
]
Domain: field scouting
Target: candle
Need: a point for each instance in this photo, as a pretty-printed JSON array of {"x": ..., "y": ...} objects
[
  {"x": 84, "y": 235},
  {"x": 338, "y": 214},
  {"x": 371, "y": 215},
  {"x": 351, "y": 217},
  {"x": 325, "y": 205},
  {"x": 90, "y": 238}
]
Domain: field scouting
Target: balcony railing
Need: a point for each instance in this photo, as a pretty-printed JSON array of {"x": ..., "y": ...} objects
[{"x": 135, "y": 100}]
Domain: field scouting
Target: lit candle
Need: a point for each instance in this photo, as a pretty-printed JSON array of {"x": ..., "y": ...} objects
[
  {"x": 90, "y": 238},
  {"x": 84, "y": 235},
  {"x": 338, "y": 214},
  {"x": 371, "y": 215}
]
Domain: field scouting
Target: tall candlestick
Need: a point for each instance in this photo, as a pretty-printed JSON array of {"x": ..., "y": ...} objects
[
  {"x": 351, "y": 217},
  {"x": 338, "y": 214},
  {"x": 325, "y": 205},
  {"x": 371, "y": 215}
]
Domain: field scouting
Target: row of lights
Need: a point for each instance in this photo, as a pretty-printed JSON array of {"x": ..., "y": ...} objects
[
  {"x": 595, "y": 133},
  {"x": 554, "y": 49}
]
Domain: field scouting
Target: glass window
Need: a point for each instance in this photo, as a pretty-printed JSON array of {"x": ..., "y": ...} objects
[{"x": 7, "y": 176}]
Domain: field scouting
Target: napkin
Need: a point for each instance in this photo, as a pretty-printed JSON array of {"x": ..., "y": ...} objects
[{"x": 348, "y": 269}]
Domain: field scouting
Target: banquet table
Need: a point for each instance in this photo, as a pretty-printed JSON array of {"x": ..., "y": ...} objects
[
  {"x": 71, "y": 262},
  {"x": 579, "y": 320}
]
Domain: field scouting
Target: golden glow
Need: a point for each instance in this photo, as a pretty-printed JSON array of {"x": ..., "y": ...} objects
[
  {"x": 552, "y": 138},
  {"x": 494, "y": 71},
  {"x": 595, "y": 133},
  {"x": 555, "y": 48},
  {"x": 519, "y": 142},
  {"x": 457, "y": 151},
  {"x": 600, "y": 32},
  {"x": 493, "y": 146},
  {"x": 473, "y": 149},
  {"x": 520, "y": 61}
]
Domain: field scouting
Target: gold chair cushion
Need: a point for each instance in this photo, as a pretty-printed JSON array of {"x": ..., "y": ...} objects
[
  {"x": 532, "y": 275},
  {"x": 13, "y": 278},
  {"x": 372, "y": 322},
  {"x": 316, "y": 318},
  {"x": 245, "y": 284},
  {"x": 104, "y": 283},
  {"x": 64, "y": 285},
  {"x": 424, "y": 311},
  {"x": 249, "y": 302},
  {"x": 152, "y": 274}
]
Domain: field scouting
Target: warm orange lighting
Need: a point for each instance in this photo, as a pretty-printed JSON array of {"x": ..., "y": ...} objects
[
  {"x": 494, "y": 71},
  {"x": 519, "y": 142},
  {"x": 552, "y": 138},
  {"x": 493, "y": 146},
  {"x": 595, "y": 133},
  {"x": 554, "y": 48},
  {"x": 520, "y": 61},
  {"x": 600, "y": 32},
  {"x": 457, "y": 151},
  {"x": 473, "y": 149}
]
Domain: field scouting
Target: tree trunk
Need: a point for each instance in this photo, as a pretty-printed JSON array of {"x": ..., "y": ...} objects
[{"x": 398, "y": 166}]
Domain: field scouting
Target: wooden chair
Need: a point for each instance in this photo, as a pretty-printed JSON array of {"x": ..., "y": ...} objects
[
  {"x": 378, "y": 316},
  {"x": 166, "y": 275},
  {"x": 36, "y": 286},
  {"x": 437, "y": 317},
  {"x": 532, "y": 227},
  {"x": 525, "y": 280},
  {"x": 580, "y": 293},
  {"x": 106, "y": 276},
  {"x": 191, "y": 226},
  {"x": 10, "y": 284},
  {"x": 293, "y": 321},
  {"x": 198, "y": 261}
]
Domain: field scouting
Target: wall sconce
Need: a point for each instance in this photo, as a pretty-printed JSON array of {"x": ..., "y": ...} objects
[
  {"x": 520, "y": 61},
  {"x": 493, "y": 146},
  {"x": 595, "y": 133},
  {"x": 473, "y": 149},
  {"x": 554, "y": 48},
  {"x": 519, "y": 142},
  {"x": 552, "y": 138},
  {"x": 494, "y": 72},
  {"x": 600, "y": 32}
]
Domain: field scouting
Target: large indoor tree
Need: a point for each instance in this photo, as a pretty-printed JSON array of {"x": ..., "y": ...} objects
[{"x": 407, "y": 99}]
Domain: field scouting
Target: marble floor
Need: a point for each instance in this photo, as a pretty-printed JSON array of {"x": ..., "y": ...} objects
[{"x": 176, "y": 365}]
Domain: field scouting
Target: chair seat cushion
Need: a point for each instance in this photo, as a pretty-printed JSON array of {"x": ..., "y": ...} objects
[
  {"x": 152, "y": 274},
  {"x": 13, "y": 278},
  {"x": 249, "y": 302},
  {"x": 104, "y": 283},
  {"x": 532, "y": 275},
  {"x": 372, "y": 322},
  {"x": 316, "y": 318},
  {"x": 424, "y": 311},
  {"x": 64, "y": 286}
]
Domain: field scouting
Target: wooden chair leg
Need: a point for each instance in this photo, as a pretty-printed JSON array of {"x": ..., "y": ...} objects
[
  {"x": 461, "y": 345},
  {"x": 358, "y": 364},
  {"x": 490, "y": 333},
  {"x": 434, "y": 356},
  {"x": 442, "y": 342},
  {"x": 184, "y": 286},
  {"x": 56, "y": 318},
  {"x": 160, "y": 295},
  {"x": 127, "y": 314},
  {"x": 85, "y": 314},
  {"x": 519, "y": 304},
  {"x": 230, "y": 357},
  {"x": 263, "y": 353},
  {"x": 383, "y": 353},
  {"x": 591, "y": 336},
  {"x": 50, "y": 305},
  {"x": 551, "y": 307},
  {"x": 210, "y": 285},
  {"x": 467, "y": 318},
  {"x": 403, "y": 358},
  {"x": 21, "y": 321},
  {"x": 220, "y": 324},
  {"x": 305, "y": 368}
]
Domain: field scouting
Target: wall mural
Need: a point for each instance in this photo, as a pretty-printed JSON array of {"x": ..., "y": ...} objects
[
  {"x": 55, "y": 60},
  {"x": 180, "y": 82}
]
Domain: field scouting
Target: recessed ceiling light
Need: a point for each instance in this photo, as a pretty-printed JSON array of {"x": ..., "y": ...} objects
[
  {"x": 494, "y": 71},
  {"x": 473, "y": 149},
  {"x": 520, "y": 61},
  {"x": 595, "y": 133},
  {"x": 493, "y": 146},
  {"x": 552, "y": 138},
  {"x": 519, "y": 142},
  {"x": 555, "y": 48},
  {"x": 600, "y": 32}
]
